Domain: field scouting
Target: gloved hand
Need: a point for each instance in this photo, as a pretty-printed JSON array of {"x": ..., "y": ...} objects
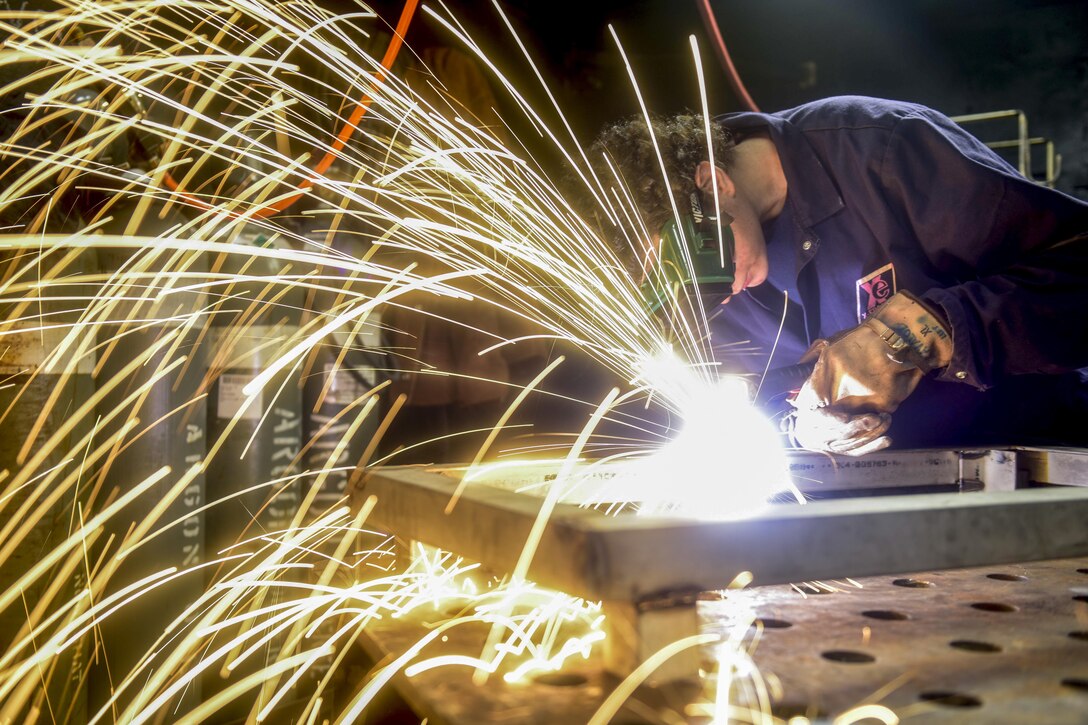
[
  {"x": 862, "y": 375},
  {"x": 823, "y": 429}
]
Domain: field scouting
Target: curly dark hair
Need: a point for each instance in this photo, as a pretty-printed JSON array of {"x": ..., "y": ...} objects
[{"x": 682, "y": 140}]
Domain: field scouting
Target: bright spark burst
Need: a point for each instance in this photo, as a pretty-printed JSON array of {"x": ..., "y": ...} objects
[{"x": 182, "y": 260}]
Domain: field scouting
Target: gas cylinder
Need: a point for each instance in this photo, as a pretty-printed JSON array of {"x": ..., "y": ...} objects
[
  {"x": 161, "y": 400},
  {"x": 252, "y": 477}
]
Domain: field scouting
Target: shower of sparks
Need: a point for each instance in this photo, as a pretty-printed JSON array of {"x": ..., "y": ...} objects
[{"x": 271, "y": 214}]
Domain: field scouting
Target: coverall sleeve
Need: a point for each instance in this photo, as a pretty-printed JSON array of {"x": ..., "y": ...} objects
[{"x": 1016, "y": 252}]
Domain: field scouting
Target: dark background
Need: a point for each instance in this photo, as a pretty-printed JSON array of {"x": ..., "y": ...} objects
[{"x": 956, "y": 56}]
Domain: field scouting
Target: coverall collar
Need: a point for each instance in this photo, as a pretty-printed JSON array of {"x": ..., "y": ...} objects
[{"x": 821, "y": 198}]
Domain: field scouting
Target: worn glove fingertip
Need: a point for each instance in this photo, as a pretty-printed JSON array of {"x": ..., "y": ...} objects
[
  {"x": 877, "y": 444},
  {"x": 878, "y": 423}
]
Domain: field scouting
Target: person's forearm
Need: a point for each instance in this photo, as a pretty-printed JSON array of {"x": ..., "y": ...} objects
[{"x": 1028, "y": 319}]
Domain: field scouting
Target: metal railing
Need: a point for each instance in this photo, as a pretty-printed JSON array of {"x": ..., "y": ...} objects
[{"x": 1023, "y": 143}]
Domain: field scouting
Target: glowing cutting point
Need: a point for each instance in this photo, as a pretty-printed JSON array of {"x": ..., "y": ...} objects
[{"x": 726, "y": 461}]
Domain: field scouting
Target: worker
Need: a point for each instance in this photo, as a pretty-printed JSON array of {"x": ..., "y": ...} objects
[{"x": 921, "y": 274}]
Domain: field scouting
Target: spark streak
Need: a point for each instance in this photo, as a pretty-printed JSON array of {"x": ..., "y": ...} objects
[{"x": 175, "y": 134}]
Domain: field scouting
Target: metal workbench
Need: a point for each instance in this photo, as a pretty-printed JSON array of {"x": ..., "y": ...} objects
[
  {"x": 986, "y": 508},
  {"x": 981, "y": 646}
]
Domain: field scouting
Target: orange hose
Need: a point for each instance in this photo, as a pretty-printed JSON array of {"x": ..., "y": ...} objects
[
  {"x": 723, "y": 55},
  {"x": 341, "y": 139}
]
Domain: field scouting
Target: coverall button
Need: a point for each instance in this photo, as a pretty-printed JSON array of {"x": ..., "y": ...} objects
[
  {"x": 961, "y": 375},
  {"x": 806, "y": 245}
]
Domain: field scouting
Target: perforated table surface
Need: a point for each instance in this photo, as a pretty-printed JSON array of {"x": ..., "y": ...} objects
[{"x": 990, "y": 645}]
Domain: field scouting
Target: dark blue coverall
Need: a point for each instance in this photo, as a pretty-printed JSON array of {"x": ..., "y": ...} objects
[{"x": 885, "y": 196}]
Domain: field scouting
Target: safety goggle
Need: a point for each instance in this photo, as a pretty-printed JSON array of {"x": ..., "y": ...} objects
[{"x": 711, "y": 270}]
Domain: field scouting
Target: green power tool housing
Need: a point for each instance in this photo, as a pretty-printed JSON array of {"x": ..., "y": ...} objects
[{"x": 712, "y": 267}]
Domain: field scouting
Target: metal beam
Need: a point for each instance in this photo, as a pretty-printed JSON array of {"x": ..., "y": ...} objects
[
  {"x": 631, "y": 558},
  {"x": 1055, "y": 466}
]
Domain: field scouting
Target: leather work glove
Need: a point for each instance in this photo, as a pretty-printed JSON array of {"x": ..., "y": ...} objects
[
  {"x": 862, "y": 375},
  {"x": 823, "y": 429}
]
